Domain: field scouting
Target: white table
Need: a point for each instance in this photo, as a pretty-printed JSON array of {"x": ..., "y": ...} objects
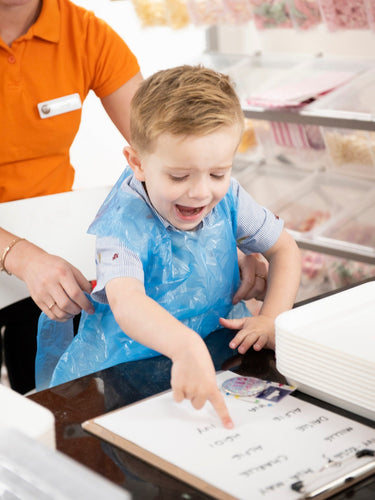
[{"x": 58, "y": 224}]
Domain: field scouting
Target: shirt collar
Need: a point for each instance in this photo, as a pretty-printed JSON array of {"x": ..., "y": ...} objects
[{"x": 47, "y": 26}]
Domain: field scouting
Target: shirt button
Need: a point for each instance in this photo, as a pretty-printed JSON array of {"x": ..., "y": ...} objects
[
  {"x": 45, "y": 109},
  {"x": 11, "y": 59}
]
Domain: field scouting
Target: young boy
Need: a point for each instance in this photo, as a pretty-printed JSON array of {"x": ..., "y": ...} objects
[{"x": 167, "y": 238}]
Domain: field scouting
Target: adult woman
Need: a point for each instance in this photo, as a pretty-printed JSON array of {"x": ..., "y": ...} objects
[
  {"x": 52, "y": 53},
  {"x": 56, "y": 52}
]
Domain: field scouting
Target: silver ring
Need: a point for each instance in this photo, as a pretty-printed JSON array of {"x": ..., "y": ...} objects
[{"x": 50, "y": 307}]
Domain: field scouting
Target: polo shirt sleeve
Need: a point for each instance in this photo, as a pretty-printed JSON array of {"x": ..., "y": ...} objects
[
  {"x": 111, "y": 62},
  {"x": 114, "y": 260},
  {"x": 258, "y": 228}
]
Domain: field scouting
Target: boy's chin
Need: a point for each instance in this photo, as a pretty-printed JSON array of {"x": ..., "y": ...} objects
[{"x": 188, "y": 227}]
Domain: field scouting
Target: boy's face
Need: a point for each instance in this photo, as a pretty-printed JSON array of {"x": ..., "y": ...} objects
[{"x": 186, "y": 176}]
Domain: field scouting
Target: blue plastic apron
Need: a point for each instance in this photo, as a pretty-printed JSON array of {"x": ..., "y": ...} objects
[{"x": 192, "y": 274}]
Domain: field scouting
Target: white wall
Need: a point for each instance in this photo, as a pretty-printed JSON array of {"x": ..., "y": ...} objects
[
  {"x": 246, "y": 39},
  {"x": 97, "y": 150}
]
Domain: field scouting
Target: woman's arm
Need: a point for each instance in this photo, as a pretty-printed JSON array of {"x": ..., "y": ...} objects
[
  {"x": 56, "y": 286},
  {"x": 117, "y": 105}
]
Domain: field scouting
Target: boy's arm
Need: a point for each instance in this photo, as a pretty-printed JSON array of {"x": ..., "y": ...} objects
[
  {"x": 144, "y": 320},
  {"x": 284, "y": 276},
  {"x": 283, "y": 282}
]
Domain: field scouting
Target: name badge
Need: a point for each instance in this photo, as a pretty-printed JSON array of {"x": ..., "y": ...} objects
[{"x": 58, "y": 106}]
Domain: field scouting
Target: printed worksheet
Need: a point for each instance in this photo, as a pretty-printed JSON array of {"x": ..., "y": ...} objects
[{"x": 272, "y": 446}]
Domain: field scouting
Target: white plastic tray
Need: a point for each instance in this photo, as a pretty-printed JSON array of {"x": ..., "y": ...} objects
[
  {"x": 343, "y": 322},
  {"x": 327, "y": 348}
]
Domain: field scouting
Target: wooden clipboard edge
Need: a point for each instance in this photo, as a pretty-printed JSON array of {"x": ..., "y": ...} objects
[{"x": 130, "y": 447}]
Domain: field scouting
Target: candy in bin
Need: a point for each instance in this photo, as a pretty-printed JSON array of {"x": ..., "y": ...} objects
[
  {"x": 305, "y": 13},
  {"x": 207, "y": 12},
  {"x": 371, "y": 13},
  {"x": 344, "y": 14},
  {"x": 238, "y": 11},
  {"x": 344, "y": 272},
  {"x": 295, "y": 135},
  {"x": 177, "y": 13},
  {"x": 314, "y": 268},
  {"x": 248, "y": 140},
  {"x": 313, "y": 219},
  {"x": 351, "y": 151},
  {"x": 271, "y": 14},
  {"x": 150, "y": 12}
]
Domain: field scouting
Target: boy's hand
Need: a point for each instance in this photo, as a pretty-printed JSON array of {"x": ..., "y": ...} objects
[
  {"x": 193, "y": 377},
  {"x": 257, "y": 331}
]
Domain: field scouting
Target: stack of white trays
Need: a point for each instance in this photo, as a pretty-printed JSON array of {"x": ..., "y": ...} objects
[{"x": 327, "y": 349}]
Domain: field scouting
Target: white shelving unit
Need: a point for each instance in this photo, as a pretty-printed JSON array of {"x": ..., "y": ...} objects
[
  {"x": 354, "y": 45},
  {"x": 154, "y": 51}
]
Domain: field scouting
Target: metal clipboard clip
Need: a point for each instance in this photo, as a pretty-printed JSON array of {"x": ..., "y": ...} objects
[{"x": 337, "y": 475}]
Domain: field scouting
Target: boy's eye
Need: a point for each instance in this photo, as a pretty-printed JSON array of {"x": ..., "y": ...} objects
[
  {"x": 175, "y": 178},
  {"x": 217, "y": 176}
]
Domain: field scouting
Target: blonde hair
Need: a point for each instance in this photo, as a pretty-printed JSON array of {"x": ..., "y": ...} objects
[{"x": 185, "y": 100}]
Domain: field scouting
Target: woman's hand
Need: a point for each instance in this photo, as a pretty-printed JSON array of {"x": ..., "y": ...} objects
[
  {"x": 56, "y": 286},
  {"x": 254, "y": 272}
]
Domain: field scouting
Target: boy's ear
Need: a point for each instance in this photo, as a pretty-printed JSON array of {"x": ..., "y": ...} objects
[{"x": 134, "y": 162}]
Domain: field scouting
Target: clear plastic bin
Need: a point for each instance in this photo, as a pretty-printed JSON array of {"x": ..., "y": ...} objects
[
  {"x": 292, "y": 143},
  {"x": 301, "y": 84},
  {"x": 305, "y": 14},
  {"x": 219, "y": 61},
  {"x": 344, "y": 272},
  {"x": 258, "y": 72},
  {"x": 268, "y": 183},
  {"x": 356, "y": 96},
  {"x": 356, "y": 227},
  {"x": 351, "y": 151},
  {"x": 344, "y": 14},
  {"x": 31, "y": 471},
  {"x": 250, "y": 73},
  {"x": 319, "y": 202},
  {"x": 314, "y": 276}
]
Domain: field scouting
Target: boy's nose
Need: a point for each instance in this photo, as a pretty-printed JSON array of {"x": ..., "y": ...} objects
[{"x": 199, "y": 190}]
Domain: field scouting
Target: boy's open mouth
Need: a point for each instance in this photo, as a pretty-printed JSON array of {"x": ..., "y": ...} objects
[{"x": 188, "y": 212}]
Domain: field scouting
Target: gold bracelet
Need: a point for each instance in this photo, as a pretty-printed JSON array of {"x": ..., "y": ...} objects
[{"x": 5, "y": 253}]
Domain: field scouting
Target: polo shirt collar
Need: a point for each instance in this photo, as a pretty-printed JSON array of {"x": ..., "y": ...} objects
[{"x": 47, "y": 26}]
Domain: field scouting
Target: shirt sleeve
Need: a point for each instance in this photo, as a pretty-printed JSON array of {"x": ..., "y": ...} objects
[
  {"x": 258, "y": 228},
  {"x": 114, "y": 260},
  {"x": 114, "y": 63}
]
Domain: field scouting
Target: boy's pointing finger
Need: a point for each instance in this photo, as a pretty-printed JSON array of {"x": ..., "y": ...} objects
[{"x": 217, "y": 401}]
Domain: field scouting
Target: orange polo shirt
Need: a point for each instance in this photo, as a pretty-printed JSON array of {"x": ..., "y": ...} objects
[{"x": 67, "y": 51}]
